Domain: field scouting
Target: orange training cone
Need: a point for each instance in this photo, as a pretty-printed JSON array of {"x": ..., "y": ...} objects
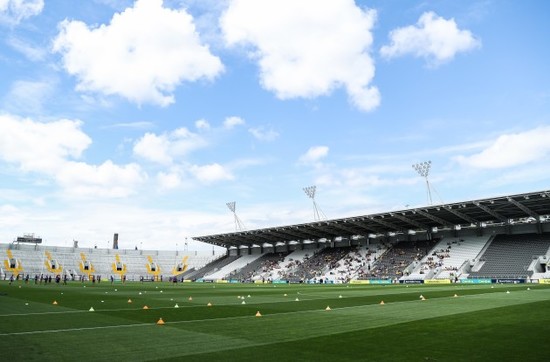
[{"x": 160, "y": 322}]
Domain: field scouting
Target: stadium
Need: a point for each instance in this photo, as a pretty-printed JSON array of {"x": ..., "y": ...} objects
[
  {"x": 474, "y": 272},
  {"x": 126, "y": 125}
]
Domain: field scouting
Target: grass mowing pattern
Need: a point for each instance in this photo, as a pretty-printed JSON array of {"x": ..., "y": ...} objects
[{"x": 483, "y": 323}]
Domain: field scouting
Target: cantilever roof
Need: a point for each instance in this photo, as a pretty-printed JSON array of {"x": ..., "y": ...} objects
[{"x": 473, "y": 213}]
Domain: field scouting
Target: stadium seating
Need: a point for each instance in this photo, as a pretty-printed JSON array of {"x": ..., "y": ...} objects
[
  {"x": 394, "y": 262},
  {"x": 33, "y": 260},
  {"x": 509, "y": 256},
  {"x": 490, "y": 256},
  {"x": 223, "y": 272},
  {"x": 260, "y": 268},
  {"x": 446, "y": 259}
]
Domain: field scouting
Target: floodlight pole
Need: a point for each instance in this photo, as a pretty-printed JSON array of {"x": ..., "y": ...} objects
[
  {"x": 317, "y": 212},
  {"x": 423, "y": 169},
  {"x": 239, "y": 226}
]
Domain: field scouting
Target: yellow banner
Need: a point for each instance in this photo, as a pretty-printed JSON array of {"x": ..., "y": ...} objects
[
  {"x": 544, "y": 281},
  {"x": 437, "y": 281},
  {"x": 360, "y": 282},
  {"x": 222, "y": 281}
]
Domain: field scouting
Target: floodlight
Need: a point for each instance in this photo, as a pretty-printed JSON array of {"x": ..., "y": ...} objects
[
  {"x": 239, "y": 226},
  {"x": 317, "y": 212},
  {"x": 423, "y": 169}
]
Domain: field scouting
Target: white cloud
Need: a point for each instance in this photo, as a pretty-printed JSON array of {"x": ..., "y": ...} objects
[
  {"x": 142, "y": 55},
  {"x": 28, "y": 96},
  {"x": 434, "y": 38},
  {"x": 153, "y": 148},
  {"x": 31, "y": 51},
  {"x": 314, "y": 154},
  {"x": 511, "y": 150},
  {"x": 211, "y": 173},
  {"x": 132, "y": 125},
  {"x": 231, "y": 122},
  {"x": 13, "y": 11},
  {"x": 202, "y": 124},
  {"x": 41, "y": 147},
  {"x": 105, "y": 180},
  {"x": 307, "y": 48},
  {"x": 51, "y": 149},
  {"x": 262, "y": 134},
  {"x": 169, "y": 180},
  {"x": 164, "y": 148}
]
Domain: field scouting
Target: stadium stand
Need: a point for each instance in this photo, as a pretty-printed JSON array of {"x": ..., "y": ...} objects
[
  {"x": 315, "y": 266},
  {"x": 447, "y": 258},
  {"x": 38, "y": 259},
  {"x": 354, "y": 264},
  {"x": 395, "y": 262},
  {"x": 510, "y": 256},
  {"x": 224, "y": 271},
  {"x": 263, "y": 265},
  {"x": 212, "y": 267}
]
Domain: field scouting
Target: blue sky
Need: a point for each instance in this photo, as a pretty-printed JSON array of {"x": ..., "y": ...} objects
[{"x": 145, "y": 118}]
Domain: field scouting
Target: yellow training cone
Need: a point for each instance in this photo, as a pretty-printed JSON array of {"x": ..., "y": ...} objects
[
  {"x": 258, "y": 314},
  {"x": 382, "y": 302},
  {"x": 243, "y": 302},
  {"x": 209, "y": 304},
  {"x": 328, "y": 308},
  {"x": 91, "y": 309},
  {"x": 54, "y": 302},
  {"x": 145, "y": 307},
  {"x": 190, "y": 298},
  {"x": 176, "y": 306},
  {"x": 129, "y": 301},
  {"x": 160, "y": 322},
  {"x": 456, "y": 295}
]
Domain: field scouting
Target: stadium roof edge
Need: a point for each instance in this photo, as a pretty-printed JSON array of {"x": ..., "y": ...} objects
[{"x": 507, "y": 209}]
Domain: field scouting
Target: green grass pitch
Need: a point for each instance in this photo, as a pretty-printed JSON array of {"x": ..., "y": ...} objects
[{"x": 481, "y": 323}]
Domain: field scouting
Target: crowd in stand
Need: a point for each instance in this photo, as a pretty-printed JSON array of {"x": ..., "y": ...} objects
[
  {"x": 437, "y": 260},
  {"x": 393, "y": 263},
  {"x": 342, "y": 264},
  {"x": 314, "y": 267},
  {"x": 261, "y": 272}
]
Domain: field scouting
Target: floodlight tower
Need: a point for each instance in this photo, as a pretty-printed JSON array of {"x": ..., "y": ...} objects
[
  {"x": 239, "y": 226},
  {"x": 318, "y": 214},
  {"x": 423, "y": 169}
]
